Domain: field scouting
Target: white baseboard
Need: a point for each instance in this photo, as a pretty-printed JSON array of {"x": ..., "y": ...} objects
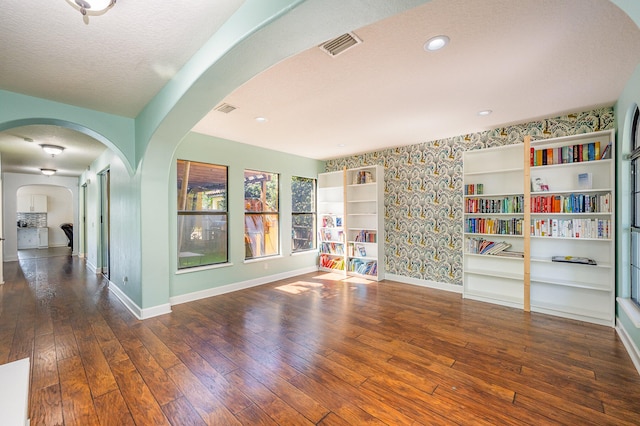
[
  {"x": 92, "y": 268},
  {"x": 136, "y": 310},
  {"x": 629, "y": 345},
  {"x": 424, "y": 283},
  {"x": 216, "y": 291}
]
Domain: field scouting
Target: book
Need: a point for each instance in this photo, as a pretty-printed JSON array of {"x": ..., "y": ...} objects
[
  {"x": 606, "y": 153},
  {"x": 539, "y": 184},
  {"x": 585, "y": 180},
  {"x": 572, "y": 259}
]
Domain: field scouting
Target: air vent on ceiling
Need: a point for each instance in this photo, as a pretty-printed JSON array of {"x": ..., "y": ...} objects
[
  {"x": 226, "y": 108},
  {"x": 340, "y": 44}
]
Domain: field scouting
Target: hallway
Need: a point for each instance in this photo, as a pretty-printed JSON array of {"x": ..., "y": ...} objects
[{"x": 314, "y": 349}]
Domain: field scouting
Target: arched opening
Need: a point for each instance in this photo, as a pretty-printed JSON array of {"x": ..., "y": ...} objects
[{"x": 44, "y": 214}]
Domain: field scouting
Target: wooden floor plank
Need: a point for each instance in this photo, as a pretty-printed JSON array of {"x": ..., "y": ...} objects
[
  {"x": 77, "y": 403},
  {"x": 312, "y": 349},
  {"x": 112, "y": 410}
]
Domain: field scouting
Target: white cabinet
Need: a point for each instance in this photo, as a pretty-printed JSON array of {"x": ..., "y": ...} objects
[
  {"x": 43, "y": 237},
  {"x": 574, "y": 217},
  {"x": 494, "y": 214},
  {"x": 351, "y": 221},
  {"x": 32, "y": 203},
  {"x": 27, "y": 238}
]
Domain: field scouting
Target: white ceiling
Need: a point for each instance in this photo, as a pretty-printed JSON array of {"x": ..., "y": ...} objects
[{"x": 523, "y": 60}]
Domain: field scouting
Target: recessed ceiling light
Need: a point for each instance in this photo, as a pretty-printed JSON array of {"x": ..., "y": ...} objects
[
  {"x": 484, "y": 112},
  {"x": 261, "y": 119},
  {"x": 436, "y": 43}
]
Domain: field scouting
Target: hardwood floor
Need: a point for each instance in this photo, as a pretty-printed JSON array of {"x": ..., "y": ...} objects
[{"x": 303, "y": 351}]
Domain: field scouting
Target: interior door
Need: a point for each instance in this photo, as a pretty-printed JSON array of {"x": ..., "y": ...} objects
[{"x": 104, "y": 222}]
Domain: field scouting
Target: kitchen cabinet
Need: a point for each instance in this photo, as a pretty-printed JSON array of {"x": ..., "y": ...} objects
[
  {"x": 32, "y": 203},
  {"x": 43, "y": 237},
  {"x": 30, "y": 238}
]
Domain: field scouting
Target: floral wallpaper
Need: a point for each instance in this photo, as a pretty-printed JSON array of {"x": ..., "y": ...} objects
[{"x": 424, "y": 192}]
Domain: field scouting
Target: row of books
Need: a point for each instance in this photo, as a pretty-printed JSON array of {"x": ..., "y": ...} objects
[
  {"x": 329, "y": 262},
  {"x": 331, "y": 221},
  {"x": 505, "y": 205},
  {"x": 482, "y": 246},
  {"x": 332, "y": 248},
  {"x": 330, "y": 235},
  {"x": 368, "y": 267},
  {"x": 363, "y": 176},
  {"x": 571, "y": 228},
  {"x": 478, "y": 225},
  {"x": 473, "y": 189},
  {"x": 356, "y": 250},
  {"x": 569, "y": 154},
  {"x": 572, "y": 203},
  {"x": 365, "y": 236}
]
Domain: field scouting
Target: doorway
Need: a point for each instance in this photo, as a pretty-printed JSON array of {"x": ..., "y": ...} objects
[{"x": 105, "y": 239}]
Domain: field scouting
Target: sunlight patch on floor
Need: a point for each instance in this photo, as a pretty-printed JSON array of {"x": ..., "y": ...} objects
[
  {"x": 331, "y": 276},
  {"x": 358, "y": 280},
  {"x": 298, "y": 287}
]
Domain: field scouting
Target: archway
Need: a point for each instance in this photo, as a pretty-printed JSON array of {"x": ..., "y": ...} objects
[{"x": 41, "y": 211}]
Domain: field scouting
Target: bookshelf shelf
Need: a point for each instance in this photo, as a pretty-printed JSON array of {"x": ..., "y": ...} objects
[
  {"x": 486, "y": 172},
  {"x": 579, "y": 199},
  {"x": 357, "y": 194}
]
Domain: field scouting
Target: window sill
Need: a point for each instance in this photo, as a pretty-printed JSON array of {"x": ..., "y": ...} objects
[
  {"x": 263, "y": 259},
  {"x": 631, "y": 309},
  {"x": 302, "y": 253},
  {"x": 203, "y": 268}
]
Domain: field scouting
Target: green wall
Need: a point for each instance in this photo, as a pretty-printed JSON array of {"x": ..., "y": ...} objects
[{"x": 238, "y": 157}]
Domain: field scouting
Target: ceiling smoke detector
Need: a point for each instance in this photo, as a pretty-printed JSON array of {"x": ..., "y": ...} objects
[{"x": 340, "y": 44}]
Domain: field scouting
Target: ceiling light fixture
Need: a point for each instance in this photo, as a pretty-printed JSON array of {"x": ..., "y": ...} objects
[
  {"x": 52, "y": 149},
  {"x": 48, "y": 172},
  {"x": 484, "y": 112},
  {"x": 92, "y": 7},
  {"x": 436, "y": 43}
]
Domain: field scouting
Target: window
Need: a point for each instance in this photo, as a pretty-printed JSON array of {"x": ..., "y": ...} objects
[
  {"x": 635, "y": 209},
  {"x": 261, "y": 217},
  {"x": 202, "y": 214},
  {"x": 303, "y": 220}
]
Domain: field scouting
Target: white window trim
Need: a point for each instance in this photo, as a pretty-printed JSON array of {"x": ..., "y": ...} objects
[{"x": 631, "y": 309}]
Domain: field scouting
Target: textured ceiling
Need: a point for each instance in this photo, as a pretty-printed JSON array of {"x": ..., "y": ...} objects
[
  {"x": 523, "y": 59},
  {"x": 116, "y": 62}
]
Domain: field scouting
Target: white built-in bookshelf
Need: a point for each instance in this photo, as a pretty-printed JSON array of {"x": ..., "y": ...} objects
[
  {"x": 331, "y": 239},
  {"x": 351, "y": 221},
  {"x": 565, "y": 217},
  {"x": 365, "y": 222},
  {"x": 579, "y": 221},
  {"x": 494, "y": 213}
]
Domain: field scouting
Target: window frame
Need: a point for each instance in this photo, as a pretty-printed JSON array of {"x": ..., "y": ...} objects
[
  {"x": 250, "y": 243},
  {"x": 212, "y": 213},
  {"x": 634, "y": 156},
  {"x": 312, "y": 212}
]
